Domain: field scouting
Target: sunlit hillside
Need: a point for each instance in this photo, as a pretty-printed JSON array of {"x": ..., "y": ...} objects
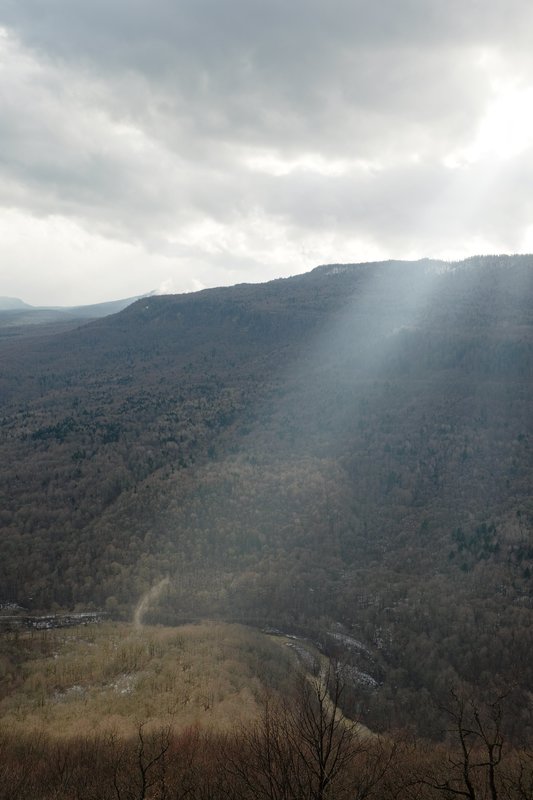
[{"x": 109, "y": 678}]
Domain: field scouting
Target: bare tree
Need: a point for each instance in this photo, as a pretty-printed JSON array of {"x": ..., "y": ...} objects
[
  {"x": 300, "y": 749},
  {"x": 325, "y": 741},
  {"x": 473, "y": 766},
  {"x": 145, "y": 768},
  {"x": 518, "y": 775}
]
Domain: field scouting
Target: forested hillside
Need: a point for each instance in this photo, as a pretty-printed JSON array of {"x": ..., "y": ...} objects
[{"x": 345, "y": 455}]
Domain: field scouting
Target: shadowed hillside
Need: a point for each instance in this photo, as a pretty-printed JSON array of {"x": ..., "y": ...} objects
[{"x": 345, "y": 454}]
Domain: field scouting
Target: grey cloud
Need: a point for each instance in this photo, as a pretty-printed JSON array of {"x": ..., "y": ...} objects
[
  {"x": 259, "y": 70},
  {"x": 410, "y": 204},
  {"x": 141, "y": 119},
  {"x": 115, "y": 30}
]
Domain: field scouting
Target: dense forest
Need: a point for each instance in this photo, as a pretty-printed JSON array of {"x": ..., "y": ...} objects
[{"x": 343, "y": 455}]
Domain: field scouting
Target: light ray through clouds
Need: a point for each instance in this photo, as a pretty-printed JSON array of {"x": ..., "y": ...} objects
[
  {"x": 352, "y": 352},
  {"x": 360, "y": 341},
  {"x": 308, "y": 426}
]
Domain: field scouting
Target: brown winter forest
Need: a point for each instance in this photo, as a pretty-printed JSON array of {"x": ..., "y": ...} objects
[{"x": 321, "y": 487}]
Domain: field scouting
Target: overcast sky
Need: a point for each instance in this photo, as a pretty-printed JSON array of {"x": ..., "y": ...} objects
[{"x": 177, "y": 144}]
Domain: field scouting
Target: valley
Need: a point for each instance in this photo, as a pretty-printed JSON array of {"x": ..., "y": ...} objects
[{"x": 343, "y": 456}]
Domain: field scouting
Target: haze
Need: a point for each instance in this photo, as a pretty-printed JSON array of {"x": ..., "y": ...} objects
[{"x": 176, "y": 145}]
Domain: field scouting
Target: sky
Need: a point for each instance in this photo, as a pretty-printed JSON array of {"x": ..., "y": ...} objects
[{"x": 172, "y": 145}]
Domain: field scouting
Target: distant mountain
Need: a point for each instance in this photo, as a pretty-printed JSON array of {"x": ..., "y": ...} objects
[
  {"x": 16, "y": 315},
  {"x": 345, "y": 454},
  {"x": 12, "y": 304},
  {"x": 97, "y": 310}
]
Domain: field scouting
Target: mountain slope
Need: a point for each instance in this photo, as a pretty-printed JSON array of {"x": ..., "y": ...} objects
[{"x": 347, "y": 451}]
